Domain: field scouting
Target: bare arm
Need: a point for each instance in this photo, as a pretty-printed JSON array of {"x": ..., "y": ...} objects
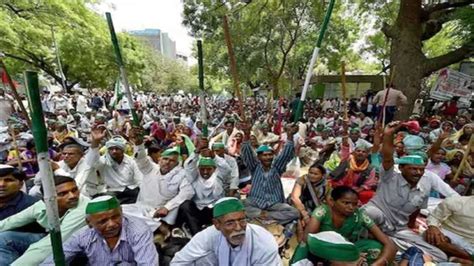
[
  {"x": 389, "y": 249},
  {"x": 387, "y": 145}
]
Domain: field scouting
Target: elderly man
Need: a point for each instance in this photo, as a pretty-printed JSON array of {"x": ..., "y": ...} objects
[
  {"x": 110, "y": 238},
  {"x": 451, "y": 227},
  {"x": 266, "y": 199},
  {"x": 164, "y": 188},
  {"x": 71, "y": 207},
  {"x": 231, "y": 182},
  {"x": 207, "y": 183},
  {"x": 120, "y": 172},
  {"x": 400, "y": 195},
  {"x": 231, "y": 241}
]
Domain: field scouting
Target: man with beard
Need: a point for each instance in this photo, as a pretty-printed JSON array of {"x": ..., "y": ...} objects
[
  {"x": 231, "y": 182},
  {"x": 231, "y": 241},
  {"x": 401, "y": 193},
  {"x": 110, "y": 237},
  {"x": 21, "y": 251}
]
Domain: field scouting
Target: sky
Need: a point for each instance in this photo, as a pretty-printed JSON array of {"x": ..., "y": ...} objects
[{"x": 165, "y": 15}]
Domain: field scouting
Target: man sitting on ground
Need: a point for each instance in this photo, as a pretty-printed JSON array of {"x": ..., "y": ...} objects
[
  {"x": 12, "y": 199},
  {"x": 71, "y": 207},
  {"x": 110, "y": 237},
  {"x": 208, "y": 188},
  {"x": 120, "y": 172},
  {"x": 266, "y": 199},
  {"x": 231, "y": 241},
  {"x": 450, "y": 228},
  {"x": 164, "y": 188},
  {"x": 401, "y": 193},
  {"x": 231, "y": 183}
]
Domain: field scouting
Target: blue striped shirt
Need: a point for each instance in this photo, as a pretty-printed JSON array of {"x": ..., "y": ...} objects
[
  {"x": 135, "y": 246},
  {"x": 267, "y": 188}
]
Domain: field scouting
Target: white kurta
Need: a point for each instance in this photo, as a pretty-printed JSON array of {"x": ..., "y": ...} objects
[
  {"x": 157, "y": 190},
  {"x": 117, "y": 176},
  {"x": 210, "y": 247}
]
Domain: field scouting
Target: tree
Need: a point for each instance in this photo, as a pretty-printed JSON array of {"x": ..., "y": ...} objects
[
  {"x": 82, "y": 35},
  {"x": 273, "y": 39},
  {"x": 410, "y": 29}
]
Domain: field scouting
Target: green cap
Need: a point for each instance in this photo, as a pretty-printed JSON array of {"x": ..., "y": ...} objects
[
  {"x": 218, "y": 145},
  {"x": 263, "y": 148},
  {"x": 227, "y": 205},
  {"x": 332, "y": 246},
  {"x": 411, "y": 159},
  {"x": 170, "y": 152},
  {"x": 102, "y": 204},
  {"x": 206, "y": 161},
  {"x": 354, "y": 130}
]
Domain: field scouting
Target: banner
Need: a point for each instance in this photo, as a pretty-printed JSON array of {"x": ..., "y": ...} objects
[{"x": 452, "y": 83}]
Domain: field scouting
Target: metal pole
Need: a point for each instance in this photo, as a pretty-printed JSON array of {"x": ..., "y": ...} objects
[
  {"x": 15, "y": 93},
  {"x": 314, "y": 57},
  {"x": 201, "y": 88},
  {"x": 60, "y": 66},
  {"x": 45, "y": 171},
  {"x": 123, "y": 72},
  {"x": 233, "y": 66}
]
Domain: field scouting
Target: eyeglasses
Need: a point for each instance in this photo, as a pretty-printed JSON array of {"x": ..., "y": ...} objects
[{"x": 233, "y": 223}]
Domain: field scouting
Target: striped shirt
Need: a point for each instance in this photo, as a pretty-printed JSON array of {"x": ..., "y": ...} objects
[
  {"x": 267, "y": 188},
  {"x": 135, "y": 246}
]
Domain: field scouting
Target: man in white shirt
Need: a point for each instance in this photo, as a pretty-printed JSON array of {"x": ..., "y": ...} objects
[
  {"x": 230, "y": 241},
  {"x": 451, "y": 228},
  {"x": 164, "y": 188},
  {"x": 231, "y": 182},
  {"x": 120, "y": 172}
]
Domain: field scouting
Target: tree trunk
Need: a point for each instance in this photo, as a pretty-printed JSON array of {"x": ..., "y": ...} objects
[{"x": 406, "y": 57}]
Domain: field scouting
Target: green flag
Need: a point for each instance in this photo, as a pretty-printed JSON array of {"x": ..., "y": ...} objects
[{"x": 118, "y": 94}]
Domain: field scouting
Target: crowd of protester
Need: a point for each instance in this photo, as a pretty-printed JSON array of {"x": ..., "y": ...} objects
[{"x": 364, "y": 188}]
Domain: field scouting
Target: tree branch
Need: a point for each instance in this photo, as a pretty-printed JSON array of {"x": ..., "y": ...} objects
[
  {"x": 389, "y": 31},
  {"x": 451, "y": 4},
  {"x": 445, "y": 60}
]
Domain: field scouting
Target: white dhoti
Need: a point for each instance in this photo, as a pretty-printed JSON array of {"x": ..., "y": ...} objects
[{"x": 145, "y": 213}]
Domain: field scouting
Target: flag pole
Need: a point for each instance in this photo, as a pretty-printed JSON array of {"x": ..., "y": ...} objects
[
  {"x": 47, "y": 181},
  {"x": 314, "y": 57},
  {"x": 14, "y": 92},
  {"x": 233, "y": 66},
  {"x": 123, "y": 72},
  {"x": 58, "y": 59},
  {"x": 202, "y": 98}
]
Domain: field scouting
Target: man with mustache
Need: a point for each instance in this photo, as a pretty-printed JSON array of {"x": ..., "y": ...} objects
[
  {"x": 231, "y": 241},
  {"x": 110, "y": 237},
  {"x": 402, "y": 191},
  {"x": 71, "y": 208},
  {"x": 266, "y": 200}
]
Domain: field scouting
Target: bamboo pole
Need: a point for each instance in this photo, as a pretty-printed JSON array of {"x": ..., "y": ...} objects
[
  {"x": 314, "y": 57},
  {"x": 58, "y": 59},
  {"x": 123, "y": 72},
  {"x": 233, "y": 66},
  {"x": 470, "y": 148},
  {"x": 45, "y": 171},
  {"x": 15, "y": 93},
  {"x": 201, "y": 88},
  {"x": 15, "y": 147},
  {"x": 344, "y": 89}
]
